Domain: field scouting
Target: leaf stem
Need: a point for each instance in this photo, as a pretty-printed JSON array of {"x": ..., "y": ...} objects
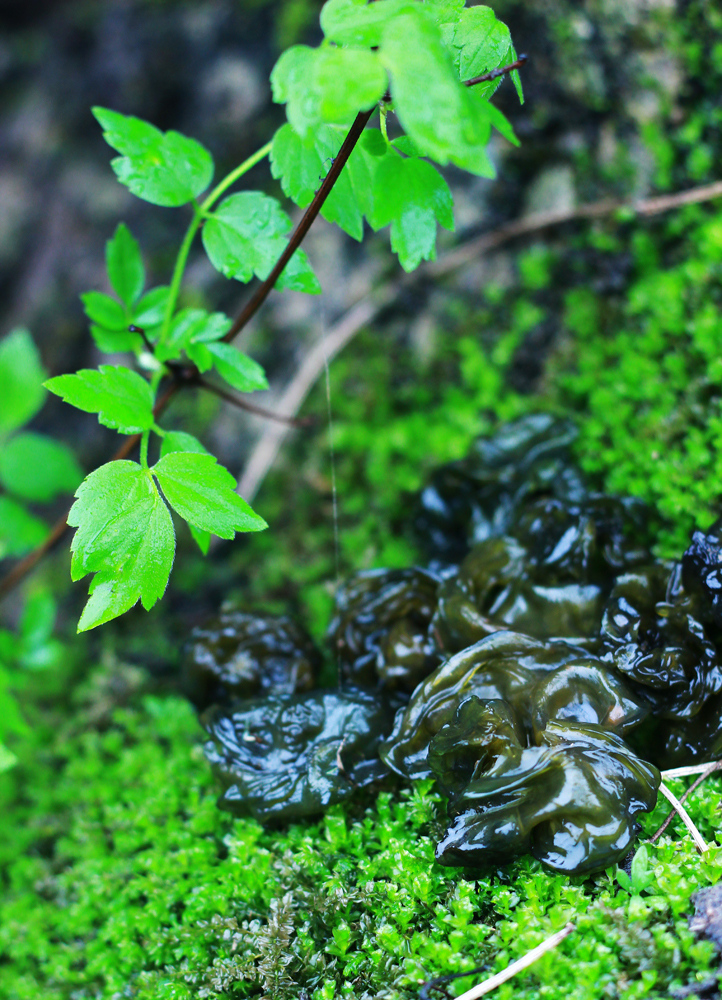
[
  {"x": 234, "y": 175},
  {"x": 199, "y": 213},
  {"x": 263, "y": 290}
]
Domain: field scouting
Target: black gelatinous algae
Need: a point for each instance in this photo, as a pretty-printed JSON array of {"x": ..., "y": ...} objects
[{"x": 541, "y": 668}]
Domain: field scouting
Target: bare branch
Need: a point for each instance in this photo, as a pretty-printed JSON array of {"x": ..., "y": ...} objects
[{"x": 261, "y": 411}]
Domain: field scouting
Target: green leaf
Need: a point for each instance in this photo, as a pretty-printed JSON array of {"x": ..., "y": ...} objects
[
  {"x": 412, "y": 196},
  {"x": 201, "y": 538},
  {"x": 326, "y": 85},
  {"x": 483, "y": 43},
  {"x": 180, "y": 441},
  {"x": 7, "y": 758},
  {"x": 246, "y": 236},
  {"x": 21, "y": 380},
  {"x": 36, "y": 467},
  {"x": 203, "y": 493},
  {"x": 194, "y": 327},
  {"x": 20, "y": 531},
  {"x": 121, "y": 398},
  {"x": 110, "y": 321},
  {"x": 149, "y": 312},
  {"x": 115, "y": 341},
  {"x": 108, "y": 313},
  {"x": 164, "y": 168},
  {"x": 355, "y": 22},
  {"x": 125, "y": 536},
  {"x": 38, "y": 619},
  {"x": 125, "y": 265},
  {"x": 301, "y": 168},
  {"x": 447, "y": 125},
  {"x": 240, "y": 371}
]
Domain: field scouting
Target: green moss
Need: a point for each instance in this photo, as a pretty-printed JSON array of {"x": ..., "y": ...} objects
[{"x": 120, "y": 877}]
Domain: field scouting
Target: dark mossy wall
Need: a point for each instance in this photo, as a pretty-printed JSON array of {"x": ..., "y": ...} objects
[{"x": 119, "y": 876}]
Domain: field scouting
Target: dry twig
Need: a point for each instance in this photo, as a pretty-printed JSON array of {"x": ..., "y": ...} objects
[
  {"x": 685, "y": 817},
  {"x": 521, "y": 963},
  {"x": 703, "y": 770},
  {"x": 368, "y": 308}
]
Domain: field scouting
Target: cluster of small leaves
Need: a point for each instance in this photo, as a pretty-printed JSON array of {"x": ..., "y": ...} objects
[
  {"x": 382, "y": 52},
  {"x": 122, "y": 877},
  {"x": 373, "y": 53}
]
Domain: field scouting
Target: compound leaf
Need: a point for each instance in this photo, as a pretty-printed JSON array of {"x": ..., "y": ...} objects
[
  {"x": 246, "y": 236},
  {"x": 203, "y": 494},
  {"x": 36, "y": 467},
  {"x": 125, "y": 265},
  {"x": 190, "y": 331},
  {"x": 21, "y": 380},
  {"x": 164, "y": 168},
  {"x": 412, "y": 196},
  {"x": 240, "y": 371},
  {"x": 125, "y": 537},
  {"x": 121, "y": 398}
]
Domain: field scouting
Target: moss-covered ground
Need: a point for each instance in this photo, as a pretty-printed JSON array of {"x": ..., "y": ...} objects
[{"x": 120, "y": 878}]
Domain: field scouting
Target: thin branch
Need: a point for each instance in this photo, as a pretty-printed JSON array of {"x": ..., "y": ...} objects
[
  {"x": 685, "y": 817},
  {"x": 521, "y": 963},
  {"x": 494, "y": 74},
  {"x": 262, "y": 292},
  {"x": 367, "y": 308},
  {"x": 706, "y": 771},
  {"x": 242, "y": 404}
]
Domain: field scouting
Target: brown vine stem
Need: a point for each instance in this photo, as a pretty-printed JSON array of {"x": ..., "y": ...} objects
[
  {"x": 252, "y": 407},
  {"x": 22, "y": 568}
]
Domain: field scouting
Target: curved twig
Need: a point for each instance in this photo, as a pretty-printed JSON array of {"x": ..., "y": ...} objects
[
  {"x": 368, "y": 307},
  {"x": 685, "y": 817}
]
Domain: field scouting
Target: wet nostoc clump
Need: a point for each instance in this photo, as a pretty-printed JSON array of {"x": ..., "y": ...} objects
[{"x": 541, "y": 667}]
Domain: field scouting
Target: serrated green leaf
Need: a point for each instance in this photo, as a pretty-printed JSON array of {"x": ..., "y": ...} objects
[
  {"x": 483, "y": 43},
  {"x": 193, "y": 326},
  {"x": 21, "y": 380},
  {"x": 126, "y": 272},
  {"x": 150, "y": 310},
  {"x": 20, "y": 531},
  {"x": 355, "y": 22},
  {"x": 180, "y": 441},
  {"x": 203, "y": 494},
  {"x": 412, "y": 196},
  {"x": 240, "y": 371},
  {"x": 107, "y": 312},
  {"x": 121, "y": 398},
  {"x": 125, "y": 537},
  {"x": 246, "y": 236},
  {"x": 164, "y": 168},
  {"x": 36, "y": 467},
  {"x": 447, "y": 125}
]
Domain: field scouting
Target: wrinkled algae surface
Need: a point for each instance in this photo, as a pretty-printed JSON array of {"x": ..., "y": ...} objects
[{"x": 542, "y": 681}]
